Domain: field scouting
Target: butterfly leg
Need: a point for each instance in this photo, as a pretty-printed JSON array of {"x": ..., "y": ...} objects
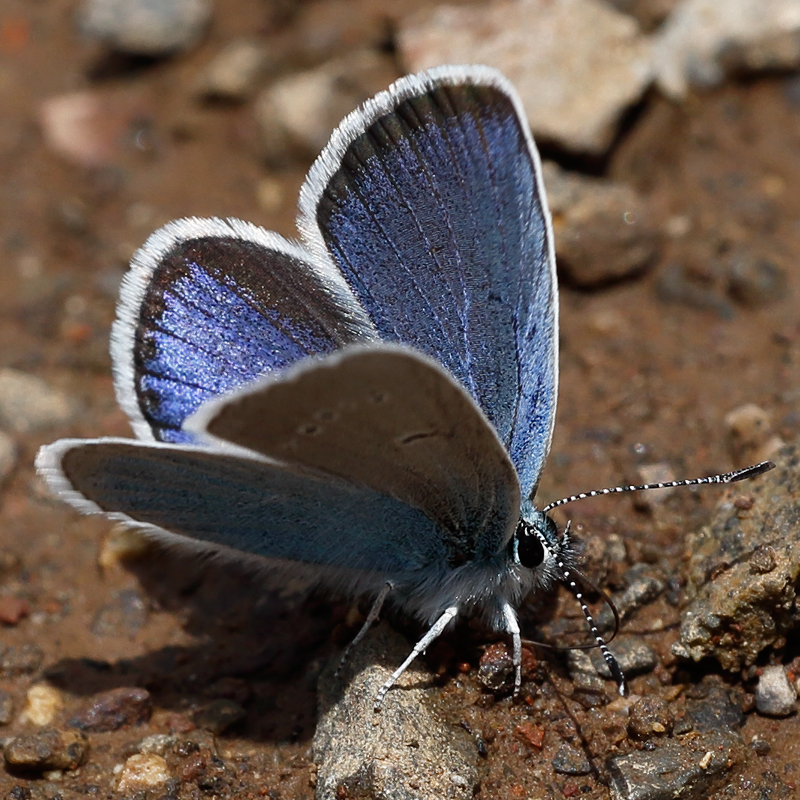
[
  {"x": 420, "y": 647},
  {"x": 374, "y": 613},
  {"x": 512, "y": 628}
]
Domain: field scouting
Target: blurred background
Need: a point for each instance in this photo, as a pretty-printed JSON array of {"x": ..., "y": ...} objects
[{"x": 670, "y": 133}]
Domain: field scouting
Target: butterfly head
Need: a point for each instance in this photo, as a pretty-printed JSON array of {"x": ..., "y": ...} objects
[{"x": 537, "y": 546}]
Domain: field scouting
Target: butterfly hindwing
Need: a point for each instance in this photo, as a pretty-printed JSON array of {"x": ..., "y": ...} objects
[
  {"x": 431, "y": 203},
  {"x": 390, "y": 419},
  {"x": 243, "y": 503},
  {"x": 210, "y": 305}
]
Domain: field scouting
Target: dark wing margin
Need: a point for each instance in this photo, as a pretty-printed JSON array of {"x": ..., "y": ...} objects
[{"x": 430, "y": 201}]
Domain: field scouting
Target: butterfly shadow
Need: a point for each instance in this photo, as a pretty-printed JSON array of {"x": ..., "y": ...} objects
[{"x": 259, "y": 640}]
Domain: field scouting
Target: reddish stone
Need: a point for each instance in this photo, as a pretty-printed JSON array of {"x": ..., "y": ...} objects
[
  {"x": 116, "y": 709},
  {"x": 531, "y": 734},
  {"x": 13, "y": 609}
]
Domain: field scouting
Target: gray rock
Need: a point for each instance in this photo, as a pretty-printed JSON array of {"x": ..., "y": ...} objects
[
  {"x": 743, "y": 596},
  {"x": 634, "y": 656},
  {"x": 645, "y": 585},
  {"x": 299, "y": 112},
  {"x": 571, "y": 761},
  {"x": 27, "y": 403},
  {"x": 689, "y": 768},
  {"x": 8, "y": 456},
  {"x": 704, "y": 41},
  {"x": 146, "y": 27},
  {"x": 406, "y": 750},
  {"x": 711, "y": 709},
  {"x": 233, "y": 74},
  {"x": 577, "y": 64},
  {"x": 775, "y": 694},
  {"x": 23, "y": 660},
  {"x": 46, "y": 749},
  {"x": 603, "y": 230}
]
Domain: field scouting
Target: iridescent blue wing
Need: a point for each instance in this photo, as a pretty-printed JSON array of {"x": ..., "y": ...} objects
[
  {"x": 390, "y": 419},
  {"x": 209, "y": 305},
  {"x": 244, "y": 503},
  {"x": 430, "y": 201}
]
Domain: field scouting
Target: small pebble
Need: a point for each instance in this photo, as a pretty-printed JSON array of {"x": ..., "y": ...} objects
[
  {"x": 145, "y": 27},
  {"x": 750, "y": 428},
  {"x": 495, "y": 666},
  {"x": 755, "y": 282},
  {"x": 530, "y": 733},
  {"x": 712, "y": 710},
  {"x": 763, "y": 560},
  {"x": 142, "y": 772},
  {"x": 571, "y": 761},
  {"x": 577, "y": 64},
  {"x": 233, "y": 73},
  {"x": 219, "y": 715},
  {"x": 115, "y": 709},
  {"x": 6, "y": 707},
  {"x": 47, "y": 749},
  {"x": 634, "y": 656},
  {"x": 8, "y": 456},
  {"x": 27, "y": 403},
  {"x": 603, "y": 230},
  {"x": 775, "y": 694},
  {"x": 158, "y": 743},
  {"x": 13, "y": 609},
  {"x": 42, "y": 705},
  {"x": 649, "y": 717},
  {"x": 22, "y": 660},
  {"x": 124, "y": 616}
]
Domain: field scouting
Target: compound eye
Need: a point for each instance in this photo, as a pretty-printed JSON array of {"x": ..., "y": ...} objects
[{"x": 529, "y": 549}]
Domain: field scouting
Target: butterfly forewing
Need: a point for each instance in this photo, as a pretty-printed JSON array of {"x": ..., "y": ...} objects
[
  {"x": 390, "y": 419},
  {"x": 430, "y": 202},
  {"x": 209, "y": 306}
]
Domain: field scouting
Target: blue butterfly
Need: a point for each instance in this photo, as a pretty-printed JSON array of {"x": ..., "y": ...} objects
[{"x": 374, "y": 405}]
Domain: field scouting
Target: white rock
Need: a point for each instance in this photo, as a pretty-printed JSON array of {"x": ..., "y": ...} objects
[
  {"x": 234, "y": 72},
  {"x": 42, "y": 705},
  {"x": 145, "y": 27},
  {"x": 577, "y": 64},
  {"x": 702, "y": 41},
  {"x": 775, "y": 694},
  {"x": 300, "y": 111},
  {"x": 141, "y": 772},
  {"x": 28, "y": 403}
]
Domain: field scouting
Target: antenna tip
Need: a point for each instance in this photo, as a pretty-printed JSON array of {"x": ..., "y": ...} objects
[{"x": 752, "y": 472}]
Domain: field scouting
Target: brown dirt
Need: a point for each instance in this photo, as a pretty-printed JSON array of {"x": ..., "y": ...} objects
[{"x": 642, "y": 380}]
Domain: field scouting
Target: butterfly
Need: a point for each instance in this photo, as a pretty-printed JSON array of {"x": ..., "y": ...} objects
[{"x": 372, "y": 405}]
